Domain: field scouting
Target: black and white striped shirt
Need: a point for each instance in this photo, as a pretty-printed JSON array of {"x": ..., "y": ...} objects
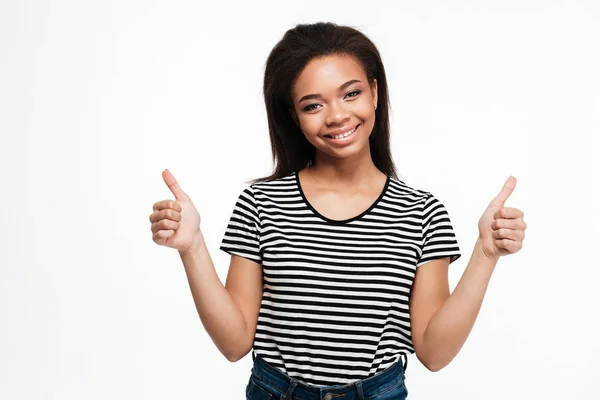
[{"x": 335, "y": 306}]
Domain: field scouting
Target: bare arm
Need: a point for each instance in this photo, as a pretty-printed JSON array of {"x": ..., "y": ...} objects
[
  {"x": 442, "y": 322},
  {"x": 228, "y": 313}
]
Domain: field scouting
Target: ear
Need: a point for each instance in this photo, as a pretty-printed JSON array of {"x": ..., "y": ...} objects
[{"x": 374, "y": 92}]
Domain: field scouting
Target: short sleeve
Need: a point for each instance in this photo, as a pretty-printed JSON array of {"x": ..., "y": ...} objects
[
  {"x": 439, "y": 240},
  {"x": 242, "y": 236}
]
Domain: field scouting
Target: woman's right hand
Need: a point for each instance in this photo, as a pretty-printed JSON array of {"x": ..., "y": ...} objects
[{"x": 175, "y": 223}]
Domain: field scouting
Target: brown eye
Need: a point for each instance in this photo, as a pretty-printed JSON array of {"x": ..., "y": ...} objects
[
  {"x": 310, "y": 107},
  {"x": 353, "y": 93}
]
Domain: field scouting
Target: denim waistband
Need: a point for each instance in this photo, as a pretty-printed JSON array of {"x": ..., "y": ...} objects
[{"x": 275, "y": 378}]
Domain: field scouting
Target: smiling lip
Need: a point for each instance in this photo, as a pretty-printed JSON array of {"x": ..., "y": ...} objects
[{"x": 340, "y": 132}]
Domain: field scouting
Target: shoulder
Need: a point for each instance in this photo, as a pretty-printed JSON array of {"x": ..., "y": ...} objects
[
  {"x": 282, "y": 184},
  {"x": 399, "y": 189},
  {"x": 271, "y": 190},
  {"x": 413, "y": 198}
]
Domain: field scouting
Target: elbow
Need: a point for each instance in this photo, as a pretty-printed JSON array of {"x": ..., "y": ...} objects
[
  {"x": 237, "y": 348},
  {"x": 434, "y": 366},
  {"x": 232, "y": 357},
  {"x": 432, "y": 363},
  {"x": 236, "y": 354}
]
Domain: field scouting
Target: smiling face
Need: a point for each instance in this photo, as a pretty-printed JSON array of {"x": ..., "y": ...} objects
[{"x": 334, "y": 106}]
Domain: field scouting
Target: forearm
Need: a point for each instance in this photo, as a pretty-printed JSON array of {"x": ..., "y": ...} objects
[
  {"x": 218, "y": 311},
  {"x": 450, "y": 326}
]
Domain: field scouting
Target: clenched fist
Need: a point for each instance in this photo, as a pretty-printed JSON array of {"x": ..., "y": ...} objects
[{"x": 175, "y": 223}]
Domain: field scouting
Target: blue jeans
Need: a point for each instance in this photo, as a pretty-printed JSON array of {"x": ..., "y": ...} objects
[{"x": 269, "y": 383}]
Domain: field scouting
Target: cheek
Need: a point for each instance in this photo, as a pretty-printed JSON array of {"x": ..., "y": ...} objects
[
  {"x": 364, "y": 108},
  {"x": 367, "y": 113},
  {"x": 311, "y": 124}
]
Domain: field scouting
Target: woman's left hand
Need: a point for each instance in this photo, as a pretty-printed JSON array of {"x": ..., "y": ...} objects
[{"x": 502, "y": 229}]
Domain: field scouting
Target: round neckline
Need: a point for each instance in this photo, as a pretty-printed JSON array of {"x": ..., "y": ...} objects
[{"x": 340, "y": 221}]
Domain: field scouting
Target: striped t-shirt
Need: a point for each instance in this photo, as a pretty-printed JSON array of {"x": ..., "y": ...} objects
[{"x": 335, "y": 305}]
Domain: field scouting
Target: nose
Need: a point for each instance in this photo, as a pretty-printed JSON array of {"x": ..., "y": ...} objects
[{"x": 337, "y": 113}]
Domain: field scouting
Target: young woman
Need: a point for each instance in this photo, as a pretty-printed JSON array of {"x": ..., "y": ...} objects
[{"x": 338, "y": 268}]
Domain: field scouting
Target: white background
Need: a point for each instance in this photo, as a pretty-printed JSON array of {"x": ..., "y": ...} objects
[{"x": 97, "y": 98}]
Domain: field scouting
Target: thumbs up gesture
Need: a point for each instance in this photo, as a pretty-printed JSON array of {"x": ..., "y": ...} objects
[
  {"x": 502, "y": 229},
  {"x": 175, "y": 223}
]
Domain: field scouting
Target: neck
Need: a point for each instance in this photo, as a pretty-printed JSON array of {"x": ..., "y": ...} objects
[{"x": 359, "y": 169}]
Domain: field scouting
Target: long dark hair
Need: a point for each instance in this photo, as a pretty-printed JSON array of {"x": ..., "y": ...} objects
[{"x": 291, "y": 150}]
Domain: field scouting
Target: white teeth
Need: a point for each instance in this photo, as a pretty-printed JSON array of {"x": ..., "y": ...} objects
[{"x": 343, "y": 135}]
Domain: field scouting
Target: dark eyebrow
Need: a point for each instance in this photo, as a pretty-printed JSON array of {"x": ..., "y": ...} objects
[{"x": 318, "y": 96}]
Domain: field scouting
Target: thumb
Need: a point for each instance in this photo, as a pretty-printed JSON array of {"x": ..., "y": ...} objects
[
  {"x": 506, "y": 191},
  {"x": 173, "y": 185}
]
